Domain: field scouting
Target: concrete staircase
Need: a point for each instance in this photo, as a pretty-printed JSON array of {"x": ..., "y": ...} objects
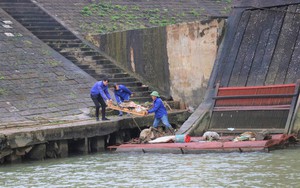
[{"x": 67, "y": 44}]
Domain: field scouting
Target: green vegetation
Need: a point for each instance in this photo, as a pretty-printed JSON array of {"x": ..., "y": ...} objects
[
  {"x": 27, "y": 42},
  {"x": 86, "y": 11},
  {"x": 3, "y": 91},
  {"x": 53, "y": 63},
  {"x": 55, "y": 122},
  {"x": 45, "y": 51},
  {"x": 195, "y": 13},
  {"x": 52, "y": 105},
  {"x": 73, "y": 95},
  {"x": 226, "y": 10},
  {"x": 18, "y": 35},
  {"x": 108, "y": 17}
]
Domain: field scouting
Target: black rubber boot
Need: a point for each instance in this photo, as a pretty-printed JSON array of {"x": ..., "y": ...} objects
[{"x": 171, "y": 130}]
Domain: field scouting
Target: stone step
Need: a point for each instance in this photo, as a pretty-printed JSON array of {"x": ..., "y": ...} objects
[
  {"x": 103, "y": 62},
  {"x": 86, "y": 49},
  {"x": 142, "y": 94},
  {"x": 16, "y": 9},
  {"x": 141, "y": 100},
  {"x": 79, "y": 53},
  {"x": 30, "y": 13},
  {"x": 121, "y": 75},
  {"x": 73, "y": 59},
  {"x": 125, "y": 79},
  {"x": 16, "y": 1},
  {"x": 119, "y": 80},
  {"x": 131, "y": 84},
  {"x": 88, "y": 59},
  {"x": 138, "y": 89},
  {"x": 76, "y": 49},
  {"x": 63, "y": 41},
  {"x": 83, "y": 66},
  {"x": 89, "y": 71},
  {"x": 41, "y": 18},
  {"x": 40, "y": 24},
  {"x": 49, "y": 37},
  {"x": 106, "y": 66},
  {"x": 8, "y": 5},
  {"x": 87, "y": 53},
  {"x": 24, "y": 12},
  {"x": 97, "y": 57},
  {"x": 64, "y": 45},
  {"x": 53, "y": 33},
  {"x": 110, "y": 71},
  {"x": 31, "y": 16},
  {"x": 45, "y": 28}
]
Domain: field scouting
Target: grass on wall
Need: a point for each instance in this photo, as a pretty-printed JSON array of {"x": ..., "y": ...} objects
[{"x": 109, "y": 17}]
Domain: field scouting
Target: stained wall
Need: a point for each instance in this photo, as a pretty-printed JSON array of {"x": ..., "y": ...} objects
[{"x": 176, "y": 60}]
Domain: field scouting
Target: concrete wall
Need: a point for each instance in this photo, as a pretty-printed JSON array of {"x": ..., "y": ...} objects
[
  {"x": 175, "y": 60},
  {"x": 192, "y": 49}
]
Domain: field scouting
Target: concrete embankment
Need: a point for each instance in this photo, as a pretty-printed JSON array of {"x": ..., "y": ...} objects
[{"x": 60, "y": 140}]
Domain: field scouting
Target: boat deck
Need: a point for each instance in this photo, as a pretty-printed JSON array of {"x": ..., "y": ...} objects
[{"x": 198, "y": 145}]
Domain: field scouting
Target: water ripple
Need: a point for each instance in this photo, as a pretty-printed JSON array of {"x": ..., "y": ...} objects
[{"x": 276, "y": 169}]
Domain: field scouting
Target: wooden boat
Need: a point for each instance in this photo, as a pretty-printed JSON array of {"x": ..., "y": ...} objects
[{"x": 198, "y": 145}]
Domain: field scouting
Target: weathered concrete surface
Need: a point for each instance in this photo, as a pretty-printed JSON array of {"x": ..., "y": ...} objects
[
  {"x": 192, "y": 49},
  {"x": 53, "y": 141},
  {"x": 31, "y": 135},
  {"x": 172, "y": 11},
  {"x": 177, "y": 60},
  {"x": 37, "y": 84}
]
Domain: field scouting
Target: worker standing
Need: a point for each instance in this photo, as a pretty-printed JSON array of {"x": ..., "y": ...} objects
[
  {"x": 122, "y": 93},
  {"x": 160, "y": 112},
  {"x": 101, "y": 96}
]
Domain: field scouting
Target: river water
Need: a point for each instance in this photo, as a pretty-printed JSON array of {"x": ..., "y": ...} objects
[{"x": 280, "y": 168}]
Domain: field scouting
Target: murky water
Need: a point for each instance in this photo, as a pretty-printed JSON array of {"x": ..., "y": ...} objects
[{"x": 279, "y": 168}]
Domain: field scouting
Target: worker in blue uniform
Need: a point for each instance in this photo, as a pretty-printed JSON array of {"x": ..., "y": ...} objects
[
  {"x": 122, "y": 93},
  {"x": 101, "y": 96},
  {"x": 160, "y": 112}
]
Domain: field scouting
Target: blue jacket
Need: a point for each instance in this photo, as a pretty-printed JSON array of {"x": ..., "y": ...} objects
[
  {"x": 123, "y": 93},
  {"x": 158, "y": 108},
  {"x": 100, "y": 88}
]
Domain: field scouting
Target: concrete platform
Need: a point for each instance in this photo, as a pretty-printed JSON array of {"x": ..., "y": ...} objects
[{"x": 60, "y": 139}]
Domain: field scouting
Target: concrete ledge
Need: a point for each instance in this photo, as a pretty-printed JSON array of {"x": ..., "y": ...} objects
[{"x": 26, "y": 136}]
